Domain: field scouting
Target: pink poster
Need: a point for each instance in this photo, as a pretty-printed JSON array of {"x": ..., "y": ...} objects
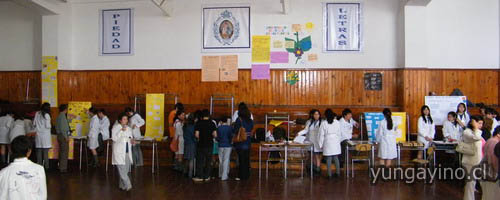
[
  {"x": 279, "y": 57},
  {"x": 260, "y": 71}
]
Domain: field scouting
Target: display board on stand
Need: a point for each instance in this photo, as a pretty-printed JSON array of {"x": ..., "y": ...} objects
[{"x": 440, "y": 106}]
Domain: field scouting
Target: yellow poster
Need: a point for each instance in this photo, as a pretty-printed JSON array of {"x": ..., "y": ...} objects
[
  {"x": 155, "y": 116},
  {"x": 261, "y": 48},
  {"x": 80, "y": 125},
  {"x": 54, "y": 151},
  {"x": 400, "y": 121},
  {"x": 49, "y": 80}
]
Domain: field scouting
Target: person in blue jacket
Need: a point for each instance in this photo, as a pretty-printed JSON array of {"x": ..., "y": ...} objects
[
  {"x": 224, "y": 138},
  {"x": 243, "y": 148}
]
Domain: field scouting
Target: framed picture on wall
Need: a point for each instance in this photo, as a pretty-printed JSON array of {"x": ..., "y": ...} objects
[
  {"x": 116, "y": 33},
  {"x": 343, "y": 30},
  {"x": 226, "y": 29}
]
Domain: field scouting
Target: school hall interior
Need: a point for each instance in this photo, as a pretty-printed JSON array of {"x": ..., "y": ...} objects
[{"x": 282, "y": 58}]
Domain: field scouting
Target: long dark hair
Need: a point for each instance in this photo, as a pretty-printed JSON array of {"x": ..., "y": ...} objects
[
  {"x": 388, "y": 117},
  {"x": 45, "y": 109},
  {"x": 189, "y": 120},
  {"x": 476, "y": 118},
  {"x": 454, "y": 115},
  {"x": 242, "y": 106},
  {"x": 244, "y": 115},
  {"x": 423, "y": 116},
  {"x": 311, "y": 116},
  {"x": 330, "y": 115},
  {"x": 462, "y": 104},
  {"x": 177, "y": 114}
]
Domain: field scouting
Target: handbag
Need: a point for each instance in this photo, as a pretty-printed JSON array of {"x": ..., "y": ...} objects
[
  {"x": 241, "y": 136},
  {"x": 174, "y": 145},
  {"x": 466, "y": 148}
]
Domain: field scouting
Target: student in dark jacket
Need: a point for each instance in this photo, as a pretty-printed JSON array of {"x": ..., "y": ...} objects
[
  {"x": 205, "y": 131},
  {"x": 243, "y": 148},
  {"x": 224, "y": 137}
]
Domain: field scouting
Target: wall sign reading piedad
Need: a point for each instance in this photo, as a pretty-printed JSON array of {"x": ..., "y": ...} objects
[
  {"x": 342, "y": 24},
  {"x": 116, "y": 32},
  {"x": 373, "y": 81}
]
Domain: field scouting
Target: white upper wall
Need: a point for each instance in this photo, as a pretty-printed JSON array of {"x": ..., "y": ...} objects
[
  {"x": 444, "y": 34},
  {"x": 20, "y": 38},
  {"x": 175, "y": 43},
  {"x": 453, "y": 34},
  {"x": 463, "y": 34}
]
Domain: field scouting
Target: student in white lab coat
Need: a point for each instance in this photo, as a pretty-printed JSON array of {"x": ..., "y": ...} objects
[
  {"x": 463, "y": 117},
  {"x": 17, "y": 128},
  {"x": 426, "y": 128},
  {"x": 122, "y": 150},
  {"x": 93, "y": 136},
  {"x": 135, "y": 122},
  {"x": 312, "y": 135},
  {"x": 6, "y": 122},
  {"x": 386, "y": 137},
  {"x": 329, "y": 140},
  {"x": 43, "y": 140},
  {"x": 347, "y": 124},
  {"x": 22, "y": 179},
  {"x": 451, "y": 128},
  {"x": 104, "y": 124}
]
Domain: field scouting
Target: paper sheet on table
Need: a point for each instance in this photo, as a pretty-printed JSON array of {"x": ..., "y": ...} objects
[
  {"x": 229, "y": 68},
  {"x": 299, "y": 139},
  {"x": 261, "y": 48},
  {"x": 302, "y": 132},
  {"x": 210, "y": 66}
]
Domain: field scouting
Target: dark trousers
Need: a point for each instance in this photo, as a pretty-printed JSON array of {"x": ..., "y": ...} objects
[
  {"x": 63, "y": 152},
  {"x": 244, "y": 167},
  {"x": 342, "y": 158},
  {"x": 203, "y": 162}
]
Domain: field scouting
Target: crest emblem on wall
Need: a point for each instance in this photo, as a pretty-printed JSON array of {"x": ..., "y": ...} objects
[{"x": 226, "y": 28}]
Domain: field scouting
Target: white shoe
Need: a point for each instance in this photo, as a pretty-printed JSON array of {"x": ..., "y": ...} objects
[
  {"x": 197, "y": 179},
  {"x": 237, "y": 179}
]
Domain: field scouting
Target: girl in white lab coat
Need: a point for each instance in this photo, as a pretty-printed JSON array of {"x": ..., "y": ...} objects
[
  {"x": 451, "y": 128},
  {"x": 17, "y": 128},
  {"x": 122, "y": 150},
  {"x": 329, "y": 140},
  {"x": 463, "y": 117},
  {"x": 5, "y": 126},
  {"x": 93, "y": 136},
  {"x": 136, "y": 122},
  {"x": 426, "y": 128},
  {"x": 386, "y": 137},
  {"x": 43, "y": 140},
  {"x": 312, "y": 135}
]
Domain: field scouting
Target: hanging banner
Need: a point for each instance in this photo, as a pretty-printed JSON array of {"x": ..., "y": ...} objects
[
  {"x": 80, "y": 125},
  {"x": 373, "y": 119},
  {"x": 342, "y": 27},
  {"x": 49, "y": 80},
  {"x": 440, "y": 106},
  {"x": 155, "y": 116},
  {"x": 116, "y": 35},
  {"x": 226, "y": 28},
  {"x": 54, "y": 151}
]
